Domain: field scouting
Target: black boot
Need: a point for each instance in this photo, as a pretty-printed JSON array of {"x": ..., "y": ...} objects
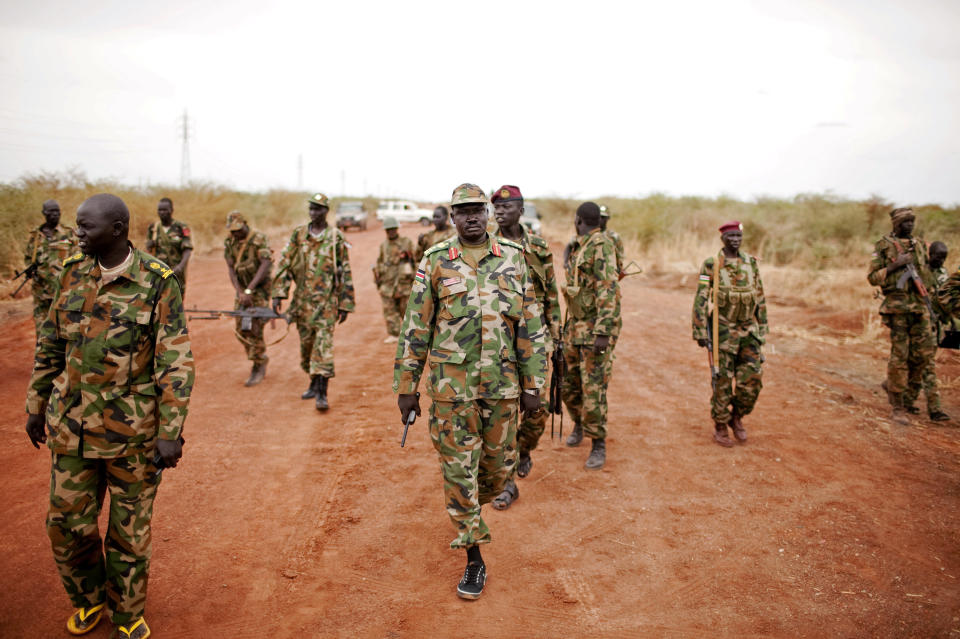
[
  {"x": 256, "y": 374},
  {"x": 322, "y": 393},
  {"x": 576, "y": 436},
  {"x": 311, "y": 391},
  {"x": 598, "y": 455}
]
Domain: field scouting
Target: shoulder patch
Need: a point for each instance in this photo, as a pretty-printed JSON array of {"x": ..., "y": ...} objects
[
  {"x": 159, "y": 268},
  {"x": 76, "y": 257},
  {"x": 439, "y": 246},
  {"x": 536, "y": 240},
  {"x": 505, "y": 242}
]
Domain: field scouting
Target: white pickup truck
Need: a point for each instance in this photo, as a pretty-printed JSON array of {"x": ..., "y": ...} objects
[{"x": 404, "y": 211}]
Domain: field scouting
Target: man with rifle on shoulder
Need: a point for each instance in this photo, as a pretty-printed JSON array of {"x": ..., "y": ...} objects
[{"x": 50, "y": 244}]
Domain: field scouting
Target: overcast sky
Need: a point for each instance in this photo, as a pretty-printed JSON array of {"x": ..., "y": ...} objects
[{"x": 411, "y": 98}]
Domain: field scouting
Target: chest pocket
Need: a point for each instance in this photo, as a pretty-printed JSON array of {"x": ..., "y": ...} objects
[
  {"x": 453, "y": 302},
  {"x": 509, "y": 297},
  {"x": 127, "y": 351},
  {"x": 72, "y": 321}
]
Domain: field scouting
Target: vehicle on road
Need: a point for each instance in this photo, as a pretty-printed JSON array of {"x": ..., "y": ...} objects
[
  {"x": 404, "y": 211},
  {"x": 351, "y": 215}
]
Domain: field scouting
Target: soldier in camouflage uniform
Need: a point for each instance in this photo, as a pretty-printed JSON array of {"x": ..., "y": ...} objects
[
  {"x": 937, "y": 257},
  {"x": 393, "y": 275},
  {"x": 948, "y": 296},
  {"x": 912, "y": 333},
  {"x": 730, "y": 286},
  {"x": 109, "y": 395},
  {"x": 49, "y": 245},
  {"x": 316, "y": 260},
  {"x": 169, "y": 240},
  {"x": 590, "y": 330},
  {"x": 508, "y": 207},
  {"x": 441, "y": 231},
  {"x": 473, "y": 312},
  {"x": 249, "y": 258},
  {"x": 617, "y": 240}
]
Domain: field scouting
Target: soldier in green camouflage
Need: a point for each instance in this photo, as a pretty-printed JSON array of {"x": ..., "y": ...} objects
[
  {"x": 473, "y": 313},
  {"x": 109, "y": 393},
  {"x": 617, "y": 240},
  {"x": 441, "y": 231},
  {"x": 508, "y": 208},
  {"x": 316, "y": 260},
  {"x": 948, "y": 296},
  {"x": 937, "y": 257},
  {"x": 393, "y": 275},
  {"x": 904, "y": 311},
  {"x": 49, "y": 245},
  {"x": 730, "y": 319},
  {"x": 169, "y": 241},
  {"x": 249, "y": 258},
  {"x": 590, "y": 330}
]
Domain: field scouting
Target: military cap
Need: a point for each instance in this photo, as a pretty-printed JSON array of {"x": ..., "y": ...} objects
[
  {"x": 235, "y": 221},
  {"x": 506, "y": 193},
  {"x": 319, "y": 199},
  {"x": 390, "y": 223},
  {"x": 604, "y": 211},
  {"x": 468, "y": 193},
  {"x": 732, "y": 225}
]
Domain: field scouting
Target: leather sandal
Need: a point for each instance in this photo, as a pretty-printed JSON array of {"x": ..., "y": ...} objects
[{"x": 510, "y": 494}]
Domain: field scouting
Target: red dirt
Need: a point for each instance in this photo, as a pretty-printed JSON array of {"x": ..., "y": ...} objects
[{"x": 282, "y": 522}]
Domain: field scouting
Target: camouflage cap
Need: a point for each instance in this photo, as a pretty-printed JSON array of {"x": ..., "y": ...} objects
[
  {"x": 468, "y": 193},
  {"x": 235, "y": 221},
  {"x": 604, "y": 211},
  {"x": 390, "y": 223},
  {"x": 506, "y": 193},
  {"x": 319, "y": 199}
]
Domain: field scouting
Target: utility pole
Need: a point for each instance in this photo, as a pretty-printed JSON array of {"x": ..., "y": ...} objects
[
  {"x": 184, "y": 126},
  {"x": 300, "y": 172},
  {"x": 343, "y": 182}
]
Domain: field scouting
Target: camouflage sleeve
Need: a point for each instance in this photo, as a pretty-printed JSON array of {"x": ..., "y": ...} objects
[
  {"x": 949, "y": 295},
  {"x": 347, "y": 302},
  {"x": 227, "y": 254},
  {"x": 620, "y": 255},
  {"x": 418, "y": 324},
  {"x": 284, "y": 275},
  {"x": 49, "y": 360},
  {"x": 28, "y": 250},
  {"x": 761, "y": 301},
  {"x": 701, "y": 300},
  {"x": 262, "y": 245},
  {"x": 607, "y": 282},
  {"x": 878, "y": 264},
  {"x": 187, "y": 243},
  {"x": 552, "y": 298},
  {"x": 531, "y": 346},
  {"x": 173, "y": 367}
]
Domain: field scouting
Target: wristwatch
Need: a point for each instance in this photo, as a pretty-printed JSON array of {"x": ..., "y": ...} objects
[{"x": 247, "y": 291}]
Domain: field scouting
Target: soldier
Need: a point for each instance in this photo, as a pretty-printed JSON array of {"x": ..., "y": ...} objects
[
  {"x": 730, "y": 319},
  {"x": 49, "y": 245},
  {"x": 590, "y": 330},
  {"x": 316, "y": 260},
  {"x": 508, "y": 207},
  {"x": 617, "y": 240},
  {"x": 904, "y": 311},
  {"x": 441, "y": 231},
  {"x": 393, "y": 275},
  {"x": 472, "y": 310},
  {"x": 109, "y": 395},
  {"x": 949, "y": 296},
  {"x": 249, "y": 259},
  {"x": 937, "y": 257},
  {"x": 169, "y": 241}
]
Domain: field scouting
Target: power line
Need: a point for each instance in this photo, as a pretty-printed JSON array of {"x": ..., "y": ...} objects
[{"x": 184, "y": 126}]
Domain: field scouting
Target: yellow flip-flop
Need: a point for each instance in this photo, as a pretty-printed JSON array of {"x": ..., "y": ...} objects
[
  {"x": 136, "y": 630},
  {"x": 83, "y": 620}
]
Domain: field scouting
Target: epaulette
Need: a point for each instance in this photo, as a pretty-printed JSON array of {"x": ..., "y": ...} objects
[
  {"x": 439, "y": 246},
  {"x": 510, "y": 243},
  {"x": 73, "y": 259},
  {"x": 536, "y": 240},
  {"x": 159, "y": 268}
]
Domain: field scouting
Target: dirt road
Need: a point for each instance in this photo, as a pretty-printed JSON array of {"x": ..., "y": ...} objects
[{"x": 283, "y": 522}]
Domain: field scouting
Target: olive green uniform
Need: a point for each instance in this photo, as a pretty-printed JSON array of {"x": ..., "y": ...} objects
[
  {"x": 246, "y": 255},
  {"x": 49, "y": 253}
]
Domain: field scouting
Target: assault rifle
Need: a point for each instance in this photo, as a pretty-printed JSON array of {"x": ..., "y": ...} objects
[
  {"x": 556, "y": 380},
  {"x": 714, "y": 371},
  {"x": 411, "y": 417},
  {"x": 246, "y": 315},
  {"x": 910, "y": 273},
  {"x": 27, "y": 274},
  {"x": 626, "y": 272}
]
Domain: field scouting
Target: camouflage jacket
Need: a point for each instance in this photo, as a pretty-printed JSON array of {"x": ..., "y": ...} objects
[
  {"x": 740, "y": 298},
  {"x": 113, "y": 368},
  {"x": 49, "y": 254},
  {"x": 169, "y": 246},
  {"x": 477, "y": 323},
  {"x": 320, "y": 267},
  {"x": 246, "y": 255},
  {"x": 949, "y": 295},
  {"x": 539, "y": 258},
  {"x": 618, "y": 248},
  {"x": 430, "y": 238},
  {"x": 593, "y": 289},
  {"x": 394, "y": 269},
  {"x": 896, "y": 300}
]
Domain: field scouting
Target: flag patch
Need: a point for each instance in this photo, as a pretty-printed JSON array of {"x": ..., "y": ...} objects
[
  {"x": 420, "y": 276},
  {"x": 450, "y": 281},
  {"x": 704, "y": 278}
]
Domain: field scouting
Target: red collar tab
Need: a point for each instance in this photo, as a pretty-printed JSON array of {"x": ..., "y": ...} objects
[
  {"x": 495, "y": 248},
  {"x": 453, "y": 252}
]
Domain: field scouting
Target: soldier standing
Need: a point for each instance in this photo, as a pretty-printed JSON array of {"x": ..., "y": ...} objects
[
  {"x": 904, "y": 311},
  {"x": 730, "y": 319},
  {"x": 249, "y": 258},
  {"x": 617, "y": 240},
  {"x": 316, "y": 260},
  {"x": 170, "y": 242},
  {"x": 472, "y": 311},
  {"x": 441, "y": 231},
  {"x": 508, "y": 207},
  {"x": 938, "y": 277},
  {"x": 49, "y": 245},
  {"x": 393, "y": 275},
  {"x": 949, "y": 296},
  {"x": 109, "y": 395},
  {"x": 590, "y": 330}
]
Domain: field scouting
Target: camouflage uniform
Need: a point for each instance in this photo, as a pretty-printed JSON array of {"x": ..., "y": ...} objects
[
  {"x": 742, "y": 330},
  {"x": 912, "y": 337},
  {"x": 618, "y": 250},
  {"x": 394, "y": 276},
  {"x": 427, "y": 240},
  {"x": 49, "y": 253},
  {"x": 246, "y": 255},
  {"x": 113, "y": 372},
  {"x": 170, "y": 245},
  {"x": 593, "y": 308},
  {"x": 480, "y": 327},
  {"x": 320, "y": 267},
  {"x": 948, "y": 296}
]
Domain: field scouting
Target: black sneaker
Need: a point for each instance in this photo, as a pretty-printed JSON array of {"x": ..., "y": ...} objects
[{"x": 471, "y": 585}]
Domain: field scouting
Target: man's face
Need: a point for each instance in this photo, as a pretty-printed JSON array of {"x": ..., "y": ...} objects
[
  {"x": 731, "y": 240},
  {"x": 937, "y": 257},
  {"x": 508, "y": 213},
  {"x": 165, "y": 213},
  {"x": 603, "y": 222},
  {"x": 440, "y": 218},
  {"x": 318, "y": 212},
  {"x": 905, "y": 228},
  {"x": 471, "y": 221},
  {"x": 51, "y": 211},
  {"x": 393, "y": 234},
  {"x": 95, "y": 231},
  {"x": 240, "y": 234}
]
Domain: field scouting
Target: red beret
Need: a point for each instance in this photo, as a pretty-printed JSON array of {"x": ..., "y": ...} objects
[
  {"x": 506, "y": 193},
  {"x": 731, "y": 226}
]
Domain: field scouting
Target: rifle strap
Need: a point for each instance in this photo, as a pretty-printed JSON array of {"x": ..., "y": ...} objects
[
  {"x": 715, "y": 329},
  {"x": 243, "y": 248},
  {"x": 36, "y": 244}
]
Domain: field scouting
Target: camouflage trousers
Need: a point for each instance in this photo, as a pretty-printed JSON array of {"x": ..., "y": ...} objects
[
  {"x": 531, "y": 428},
  {"x": 41, "y": 307},
  {"x": 393, "y": 310},
  {"x": 584, "y": 387},
  {"x": 913, "y": 347},
  {"x": 740, "y": 365},
  {"x": 118, "y": 573},
  {"x": 252, "y": 340},
  {"x": 316, "y": 342},
  {"x": 476, "y": 442}
]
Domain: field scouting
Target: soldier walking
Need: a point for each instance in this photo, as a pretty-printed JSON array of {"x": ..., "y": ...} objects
[
  {"x": 249, "y": 258},
  {"x": 109, "y": 395},
  {"x": 49, "y": 245},
  {"x": 473, "y": 312},
  {"x": 316, "y": 260},
  {"x": 508, "y": 207},
  {"x": 393, "y": 275},
  {"x": 730, "y": 320},
  {"x": 169, "y": 241},
  {"x": 441, "y": 231}
]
